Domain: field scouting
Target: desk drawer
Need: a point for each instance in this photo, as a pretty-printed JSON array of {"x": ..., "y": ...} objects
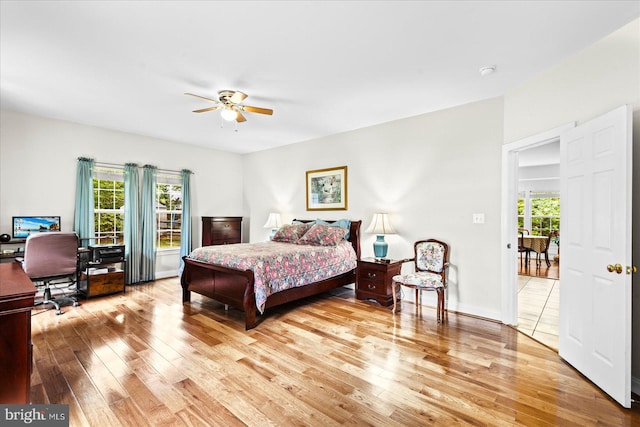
[{"x": 101, "y": 284}]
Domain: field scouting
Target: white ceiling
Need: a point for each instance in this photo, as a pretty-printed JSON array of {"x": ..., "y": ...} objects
[{"x": 324, "y": 66}]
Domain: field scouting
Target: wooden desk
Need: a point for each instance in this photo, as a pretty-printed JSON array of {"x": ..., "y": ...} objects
[{"x": 17, "y": 293}]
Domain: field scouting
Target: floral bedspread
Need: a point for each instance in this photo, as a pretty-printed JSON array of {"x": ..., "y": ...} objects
[{"x": 278, "y": 266}]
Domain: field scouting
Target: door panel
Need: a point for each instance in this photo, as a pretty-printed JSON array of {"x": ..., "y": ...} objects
[{"x": 595, "y": 304}]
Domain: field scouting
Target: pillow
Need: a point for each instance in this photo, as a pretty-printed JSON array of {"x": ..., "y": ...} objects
[
  {"x": 341, "y": 223},
  {"x": 322, "y": 235},
  {"x": 290, "y": 233}
]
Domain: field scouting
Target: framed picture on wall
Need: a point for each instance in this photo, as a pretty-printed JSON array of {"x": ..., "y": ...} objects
[{"x": 327, "y": 189}]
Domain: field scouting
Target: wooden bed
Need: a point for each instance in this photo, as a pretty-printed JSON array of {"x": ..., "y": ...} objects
[{"x": 235, "y": 287}]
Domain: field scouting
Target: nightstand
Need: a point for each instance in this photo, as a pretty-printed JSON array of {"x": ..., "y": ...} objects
[{"x": 373, "y": 280}]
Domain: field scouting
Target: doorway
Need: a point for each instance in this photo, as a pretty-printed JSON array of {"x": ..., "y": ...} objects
[
  {"x": 511, "y": 154},
  {"x": 539, "y": 215}
]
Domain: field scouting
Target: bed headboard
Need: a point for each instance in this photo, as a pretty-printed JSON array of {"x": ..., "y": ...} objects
[{"x": 354, "y": 233}]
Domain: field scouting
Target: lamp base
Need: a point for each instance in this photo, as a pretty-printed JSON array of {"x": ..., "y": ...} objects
[{"x": 380, "y": 247}]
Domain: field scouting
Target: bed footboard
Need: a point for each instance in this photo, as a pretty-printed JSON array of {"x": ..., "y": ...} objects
[{"x": 229, "y": 286}]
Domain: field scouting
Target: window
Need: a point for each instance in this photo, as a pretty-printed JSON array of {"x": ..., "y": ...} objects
[
  {"x": 521, "y": 210},
  {"x": 108, "y": 197},
  {"x": 539, "y": 212},
  {"x": 545, "y": 215},
  {"x": 168, "y": 212},
  {"x": 108, "y": 193}
]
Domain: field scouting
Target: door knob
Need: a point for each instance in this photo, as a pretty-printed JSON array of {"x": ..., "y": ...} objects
[
  {"x": 631, "y": 269},
  {"x": 617, "y": 268}
]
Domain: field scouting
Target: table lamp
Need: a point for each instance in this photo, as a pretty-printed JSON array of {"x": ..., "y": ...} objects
[
  {"x": 380, "y": 225},
  {"x": 274, "y": 222}
]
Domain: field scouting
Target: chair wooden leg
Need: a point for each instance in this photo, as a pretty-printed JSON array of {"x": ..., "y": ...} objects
[
  {"x": 393, "y": 290},
  {"x": 440, "y": 293},
  {"x": 445, "y": 312}
]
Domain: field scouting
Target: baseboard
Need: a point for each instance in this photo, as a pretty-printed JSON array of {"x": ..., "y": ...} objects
[
  {"x": 476, "y": 312},
  {"x": 635, "y": 385},
  {"x": 166, "y": 274},
  {"x": 429, "y": 299}
]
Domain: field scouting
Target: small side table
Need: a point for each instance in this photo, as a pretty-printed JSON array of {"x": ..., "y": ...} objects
[{"x": 373, "y": 280}]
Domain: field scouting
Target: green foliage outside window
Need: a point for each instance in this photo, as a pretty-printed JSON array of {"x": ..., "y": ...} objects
[
  {"x": 168, "y": 215},
  {"x": 545, "y": 216},
  {"x": 520, "y": 213},
  {"x": 108, "y": 195},
  {"x": 108, "y": 199}
]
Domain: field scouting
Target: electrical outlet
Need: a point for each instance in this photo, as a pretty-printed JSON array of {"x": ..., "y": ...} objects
[{"x": 478, "y": 218}]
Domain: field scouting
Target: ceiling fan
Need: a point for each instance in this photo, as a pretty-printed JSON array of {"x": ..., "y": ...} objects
[{"x": 229, "y": 102}]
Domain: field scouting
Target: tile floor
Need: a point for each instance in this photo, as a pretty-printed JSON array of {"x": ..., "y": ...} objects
[{"x": 538, "y": 308}]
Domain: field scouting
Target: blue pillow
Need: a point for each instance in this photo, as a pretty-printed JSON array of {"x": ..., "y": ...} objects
[{"x": 341, "y": 223}]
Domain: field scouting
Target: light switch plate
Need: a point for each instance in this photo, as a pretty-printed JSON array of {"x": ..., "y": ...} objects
[{"x": 478, "y": 218}]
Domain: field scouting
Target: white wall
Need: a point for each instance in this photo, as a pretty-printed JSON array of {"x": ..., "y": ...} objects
[
  {"x": 38, "y": 160},
  {"x": 593, "y": 82},
  {"x": 430, "y": 172}
]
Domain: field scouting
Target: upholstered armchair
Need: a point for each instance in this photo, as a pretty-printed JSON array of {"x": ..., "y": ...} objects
[{"x": 431, "y": 267}]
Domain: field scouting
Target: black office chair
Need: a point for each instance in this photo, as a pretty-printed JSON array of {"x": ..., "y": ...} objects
[{"x": 51, "y": 261}]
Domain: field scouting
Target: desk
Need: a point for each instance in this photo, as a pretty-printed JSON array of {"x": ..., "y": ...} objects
[
  {"x": 538, "y": 244},
  {"x": 17, "y": 293}
]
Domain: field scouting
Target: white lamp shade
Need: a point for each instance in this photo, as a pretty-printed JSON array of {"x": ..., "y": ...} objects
[
  {"x": 380, "y": 224},
  {"x": 229, "y": 114},
  {"x": 274, "y": 221}
]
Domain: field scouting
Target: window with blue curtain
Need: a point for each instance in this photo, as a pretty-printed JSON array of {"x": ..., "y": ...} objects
[
  {"x": 133, "y": 251},
  {"x": 148, "y": 224},
  {"x": 83, "y": 218},
  {"x": 185, "y": 235}
]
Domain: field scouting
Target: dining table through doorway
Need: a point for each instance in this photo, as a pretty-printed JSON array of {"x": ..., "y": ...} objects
[{"x": 537, "y": 244}]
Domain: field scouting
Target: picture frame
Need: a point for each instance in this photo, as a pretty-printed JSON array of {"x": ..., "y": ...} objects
[{"x": 327, "y": 189}]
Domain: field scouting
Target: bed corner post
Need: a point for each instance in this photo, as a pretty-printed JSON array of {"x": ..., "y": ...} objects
[
  {"x": 249, "y": 302},
  {"x": 186, "y": 293}
]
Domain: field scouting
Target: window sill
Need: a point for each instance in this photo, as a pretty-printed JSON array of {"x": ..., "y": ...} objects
[{"x": 168, "y": 250}]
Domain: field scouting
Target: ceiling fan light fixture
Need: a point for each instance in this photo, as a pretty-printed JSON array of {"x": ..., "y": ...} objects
[{"x": 229, "y": 114}]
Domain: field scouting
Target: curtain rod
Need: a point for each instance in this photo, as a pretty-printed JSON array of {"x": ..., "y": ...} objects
[{"x": 122, "y": 166}]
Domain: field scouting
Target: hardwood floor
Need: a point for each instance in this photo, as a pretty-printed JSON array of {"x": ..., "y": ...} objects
[
  {"x": 144, "y": 358},
  {"x": 551, "y": 272}
]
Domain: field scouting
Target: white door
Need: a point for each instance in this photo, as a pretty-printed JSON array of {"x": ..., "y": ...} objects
[{"x": 595, "y": 232}]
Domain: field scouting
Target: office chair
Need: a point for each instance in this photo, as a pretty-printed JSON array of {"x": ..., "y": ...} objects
[{"x": 52, "y": 260}]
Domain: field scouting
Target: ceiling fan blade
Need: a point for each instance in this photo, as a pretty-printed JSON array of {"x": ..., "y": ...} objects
[
  {"x": 238, "y": 97},
  {"x": 204, "y": 110},
  {"x": 240, "y": 117},
  {"x": 257, "y": 110},
  {"x": 203, "y": 97}
]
